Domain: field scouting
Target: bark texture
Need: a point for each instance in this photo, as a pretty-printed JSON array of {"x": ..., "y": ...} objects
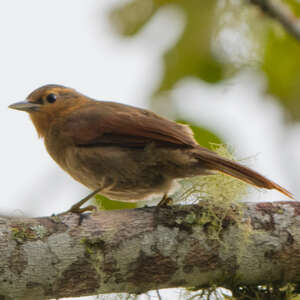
[{"x": 148, "y": 248}]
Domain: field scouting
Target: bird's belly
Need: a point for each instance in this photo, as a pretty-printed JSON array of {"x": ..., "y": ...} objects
[{"x": 123, "y": 174}]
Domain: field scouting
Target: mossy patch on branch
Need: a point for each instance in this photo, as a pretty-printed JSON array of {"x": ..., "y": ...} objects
[
  {"x": 24, "y": 232},
  {"x": 220, "y": 196}
]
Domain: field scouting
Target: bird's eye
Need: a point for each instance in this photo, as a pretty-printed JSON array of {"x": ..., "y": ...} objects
[{"x": 51, "y": 98}]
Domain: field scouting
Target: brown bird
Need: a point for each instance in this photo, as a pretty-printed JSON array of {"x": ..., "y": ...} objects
[{"x": 123, "y": 152}]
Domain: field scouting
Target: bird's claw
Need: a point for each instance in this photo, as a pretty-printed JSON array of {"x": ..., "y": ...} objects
[
  {"x": 165, "y": 201},
  {"x": 75, "y": 209},
  {"x": 79, "y": 210}
]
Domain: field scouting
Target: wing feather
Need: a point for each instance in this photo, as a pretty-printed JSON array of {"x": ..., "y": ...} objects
[{"x": 109, "y": 123}]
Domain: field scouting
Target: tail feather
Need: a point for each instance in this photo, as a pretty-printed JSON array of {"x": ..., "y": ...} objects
[{"x": 218, "y": 163}]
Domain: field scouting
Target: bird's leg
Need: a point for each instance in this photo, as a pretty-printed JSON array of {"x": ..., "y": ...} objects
[
  {"x": 165, "y": 201},
  {"x": 76, "y": 208}
]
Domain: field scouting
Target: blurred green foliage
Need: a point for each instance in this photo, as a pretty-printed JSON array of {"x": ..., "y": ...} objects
[
  {"x": 281, "y": 64},
  {"x": 107, "y": 204},
  {"x": 193, "y": 54},
  {"x": 294, "y": 5},
  {"x": 203, "y": 136}
]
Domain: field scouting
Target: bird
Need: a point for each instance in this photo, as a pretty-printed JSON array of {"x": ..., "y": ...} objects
[{"x": 120, "y": 151}]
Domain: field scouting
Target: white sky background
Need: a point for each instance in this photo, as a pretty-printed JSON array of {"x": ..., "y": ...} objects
[{"x": 70, "y": 42}]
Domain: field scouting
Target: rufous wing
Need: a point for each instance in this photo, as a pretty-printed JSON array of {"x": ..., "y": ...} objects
[{"x": 109, "y": 123}]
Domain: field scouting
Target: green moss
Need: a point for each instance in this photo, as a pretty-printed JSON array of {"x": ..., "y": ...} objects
[
  {"x": 280, "y": 211},
  {"x": 190, "y": 218},
  {"x": 94, "y": 253},
  {"x": 19, "y": 234},
  {"x": 218, "y": 194},
  {"x": 39, "y": 230},
  {"x": 219, "y": 188},
  {"x": 220, "y": 197},
  {"x": 24, "y": 232},
  {"x": 92, "y": 246}
]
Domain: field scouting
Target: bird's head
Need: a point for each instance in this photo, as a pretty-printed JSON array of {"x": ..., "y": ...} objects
[{"x": 49, "y": 103}]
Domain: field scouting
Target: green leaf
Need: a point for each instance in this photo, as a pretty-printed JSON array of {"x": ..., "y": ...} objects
[
  {"x": 107, "y": 204},
  {"x": 203, "y": 136},
  {"x": 294, "y": 6},
  {"x": 129, "y": 18},
  {"x": 192, "y": 54},
  {"x": 282, "y": 67}
]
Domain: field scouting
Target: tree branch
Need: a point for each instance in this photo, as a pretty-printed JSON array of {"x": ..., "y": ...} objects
[
  {"x": 149, "y": 248},
  {"x": 282, "y": 13}
]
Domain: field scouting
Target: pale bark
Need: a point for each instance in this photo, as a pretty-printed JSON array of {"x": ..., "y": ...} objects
[{"x": 148, "y": 248}]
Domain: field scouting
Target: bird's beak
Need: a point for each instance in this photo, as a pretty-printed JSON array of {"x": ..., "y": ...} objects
[{"x": 25, "y": 106}]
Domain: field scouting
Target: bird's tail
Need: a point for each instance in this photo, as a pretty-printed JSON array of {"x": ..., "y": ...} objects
[{"x": 216, "y": 162}]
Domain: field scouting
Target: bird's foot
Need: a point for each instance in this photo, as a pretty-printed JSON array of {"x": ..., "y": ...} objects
[
  {"x": 77, "y": 209},
  {"x": 165, "y": 201}
]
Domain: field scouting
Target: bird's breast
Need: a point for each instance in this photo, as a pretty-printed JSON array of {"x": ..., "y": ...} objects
[{"x": 123, "y": 173}]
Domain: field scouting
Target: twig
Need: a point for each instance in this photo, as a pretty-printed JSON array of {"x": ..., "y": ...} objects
[
  {"x": 282, "y": 13},
  {"x": 158, "y": 295}
]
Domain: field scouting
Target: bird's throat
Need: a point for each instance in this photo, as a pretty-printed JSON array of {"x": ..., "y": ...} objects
[{"x": 41, "y": 123}]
